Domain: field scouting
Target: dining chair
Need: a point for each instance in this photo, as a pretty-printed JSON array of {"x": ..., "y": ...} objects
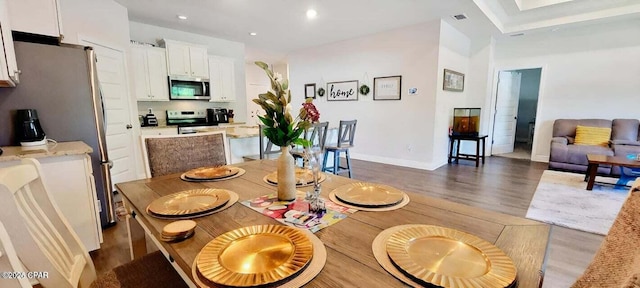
[
  {"x": 617, "y": 262},
  {"x": 346, "y": 133},
  {"x": 167, "y": 154},
  {"x": 44, "y": 241},
  {"x": 318, "y": 138},
  {"x": 267, "y": 150}
]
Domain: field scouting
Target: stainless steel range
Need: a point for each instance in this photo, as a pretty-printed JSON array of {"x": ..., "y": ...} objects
[{"x": 190, "y": 121}]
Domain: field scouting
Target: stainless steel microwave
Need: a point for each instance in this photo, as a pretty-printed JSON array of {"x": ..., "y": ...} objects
[{"x": 189, "y": 88}]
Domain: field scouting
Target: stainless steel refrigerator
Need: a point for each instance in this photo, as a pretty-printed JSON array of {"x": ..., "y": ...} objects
[{"x": 61, "y": 82}]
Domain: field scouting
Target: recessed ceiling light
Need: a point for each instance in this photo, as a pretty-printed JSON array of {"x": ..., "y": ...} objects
[
  {"x": 555, "y": 29},
  {"x": 312, "y": 13},
  {"x": 253, "y": 33},
  {"x": 182, "y": 17}
]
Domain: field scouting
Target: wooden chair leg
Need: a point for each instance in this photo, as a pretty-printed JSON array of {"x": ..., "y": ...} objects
[
  {"x": 348, "y": 162},
  {"x": 324, "y": 161}
]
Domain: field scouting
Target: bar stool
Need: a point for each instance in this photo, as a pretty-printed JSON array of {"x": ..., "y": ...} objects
[
  {"x": 318, "y": 138},
  {"x": 267, "y": 149},
  {"x": 346, "y": 132}
]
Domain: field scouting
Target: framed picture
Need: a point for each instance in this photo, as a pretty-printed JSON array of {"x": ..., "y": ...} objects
[
  {"x": 310, "y": 91},
  {"x": 342, "y": 91},
  {"x": 387, "y": 88},
  {"x": 453, "y": 81}
]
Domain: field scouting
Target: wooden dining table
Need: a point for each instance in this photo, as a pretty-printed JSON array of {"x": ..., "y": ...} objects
[{"x": 350, "y": 259}]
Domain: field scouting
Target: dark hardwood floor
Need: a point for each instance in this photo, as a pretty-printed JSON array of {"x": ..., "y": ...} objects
[{"x": 503, "y": 184}]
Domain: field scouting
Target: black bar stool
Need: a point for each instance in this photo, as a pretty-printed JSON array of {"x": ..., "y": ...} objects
[{"x": 346, "y": 132}]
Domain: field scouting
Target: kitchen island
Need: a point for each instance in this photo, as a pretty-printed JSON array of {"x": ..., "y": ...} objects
[
  {"x": 350, "y": 259},
  {"x": 68, "y": 175}
]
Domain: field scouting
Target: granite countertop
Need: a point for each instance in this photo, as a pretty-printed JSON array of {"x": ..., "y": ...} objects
[{"x": 11, "y": 153}]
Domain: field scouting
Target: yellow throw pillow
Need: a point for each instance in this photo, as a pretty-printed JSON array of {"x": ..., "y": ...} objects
[{"x": 586, "y": 135}]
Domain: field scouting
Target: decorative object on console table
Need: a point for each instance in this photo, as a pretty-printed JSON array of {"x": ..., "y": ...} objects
[
  {"x": 282, "y": 129},
  {"x": 453, "y": 81},
  {"x": 342, "y": 91},
  {"x": 310, "y": 91},
  {"x": 387, "y": 88},
  {"x": 466, "y": 121}
]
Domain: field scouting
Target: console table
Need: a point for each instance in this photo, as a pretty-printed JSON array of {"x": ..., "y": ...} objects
[{"x": 455, "y": 140}]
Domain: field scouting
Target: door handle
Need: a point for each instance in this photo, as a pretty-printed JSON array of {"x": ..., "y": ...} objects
[{"x": 129, "y": 126}]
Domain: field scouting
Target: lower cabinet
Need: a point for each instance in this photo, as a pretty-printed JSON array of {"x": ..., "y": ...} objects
[{"x": 70, "y": 181}]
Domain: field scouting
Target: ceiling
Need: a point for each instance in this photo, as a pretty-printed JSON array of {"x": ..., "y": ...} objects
[{"x": 282, "y": 26}]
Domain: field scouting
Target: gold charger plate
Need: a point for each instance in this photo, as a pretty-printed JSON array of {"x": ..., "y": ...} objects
[
  {"x": 449, "y": 258},
  {"x": 369, "y": 194},
  {"x": 189, "y": 202},
  {"x": 304, "y": 177},
  {"x": 303, "y": 277},
  {"x": 255, "y": 255},
  {"x": 209, "y": 173}
]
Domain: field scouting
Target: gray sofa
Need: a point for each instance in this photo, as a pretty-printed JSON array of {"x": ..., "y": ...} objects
[{"x": 625, "y": 139}]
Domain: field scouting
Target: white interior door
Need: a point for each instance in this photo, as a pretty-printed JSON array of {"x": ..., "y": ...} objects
[
  {"x": 506, "y": 114},
  {"x": 113, "y": 84}
]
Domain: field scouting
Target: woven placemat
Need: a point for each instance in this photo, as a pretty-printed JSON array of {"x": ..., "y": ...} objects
[
  {"x": 233, "y": 198},
  {"x": 321, "y": 178},
  {"x": 240, "y": 173},
  {"x": 379, "y": 248},
  {"x": 311, "y": 271},
  {"x": 404, "y": 202}
]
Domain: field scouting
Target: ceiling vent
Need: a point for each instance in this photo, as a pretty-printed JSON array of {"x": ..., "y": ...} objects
[
  {"x": 460, "y": 16},
  {"x": 516, "y": 35}
]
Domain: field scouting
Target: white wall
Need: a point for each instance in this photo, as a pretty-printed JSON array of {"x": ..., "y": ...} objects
[
  {"x": 591, "y": 72},
  {"x": 151, "y": 34},
  {"x": 396, "y": 132},
  {"x": 454, "y": 55}
]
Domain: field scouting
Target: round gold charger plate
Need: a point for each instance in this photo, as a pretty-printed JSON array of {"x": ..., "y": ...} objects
[
  {"x": 233, "y": 198},
  {"x": 240, "y": 173},
  {"x": 189, "y": 202},
  {"x": 255, "y": 255},
  {"x": 369, "y": 194},
  {"x": 304, "y": 177},
  {"x": 311, "y": 271},
  {"x": 213, "y": 172},
  {"x": 404, "y": 202},
  {"x": 449, "y": 258}
]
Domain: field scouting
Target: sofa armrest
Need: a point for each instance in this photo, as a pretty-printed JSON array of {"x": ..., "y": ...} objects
[
  {"x": 625, "y": 142},
  {"x": 559, "y": 140}
]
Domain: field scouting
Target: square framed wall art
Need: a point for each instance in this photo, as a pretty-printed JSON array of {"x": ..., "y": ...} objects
[
  {"x": 387, "y": 88},
  {"x": 310, "y": 91},
  {"x": 453, "y": 81}
]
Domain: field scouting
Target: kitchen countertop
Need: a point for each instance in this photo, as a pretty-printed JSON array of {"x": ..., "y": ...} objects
[{"x": 11, "y": 153}]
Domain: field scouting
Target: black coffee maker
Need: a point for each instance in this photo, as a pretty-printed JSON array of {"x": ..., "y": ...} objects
[{"x": 28, "y": 130}]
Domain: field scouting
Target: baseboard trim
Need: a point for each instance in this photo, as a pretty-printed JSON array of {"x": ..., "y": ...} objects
[
  {"x": 398, "y": 162},
  {"x": 540, "y": 158}
]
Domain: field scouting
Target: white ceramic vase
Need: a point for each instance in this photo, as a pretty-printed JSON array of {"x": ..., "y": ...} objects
[{"x": 286, "y": 176}]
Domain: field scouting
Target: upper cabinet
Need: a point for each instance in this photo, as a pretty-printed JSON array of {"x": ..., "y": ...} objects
[
  {"x": 36, "y": 16},
  {"x": 149, "y": 69},
  {"x": 186, "y": 60},
  {"x": 8, "y": 67},
  {"x": 222, "y": 79}
]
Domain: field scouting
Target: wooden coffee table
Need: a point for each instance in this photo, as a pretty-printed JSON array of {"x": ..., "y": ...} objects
[{"x": 596, "y": 160}]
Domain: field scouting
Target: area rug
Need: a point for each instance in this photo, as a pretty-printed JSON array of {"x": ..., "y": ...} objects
[{"x": 561, "y": 198}]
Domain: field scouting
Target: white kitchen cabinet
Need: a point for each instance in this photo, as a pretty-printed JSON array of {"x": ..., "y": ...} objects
[
  {"x": 36, "y": 16},
  {"x": 222, "y": 79},
  {"x": 8, "y": 67},
  {"x": 70, "y": 181},
  {"x": 149, "y": 66},
  {"x": 159, "y": 131},
  {"x": 186, "y": 60}
]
